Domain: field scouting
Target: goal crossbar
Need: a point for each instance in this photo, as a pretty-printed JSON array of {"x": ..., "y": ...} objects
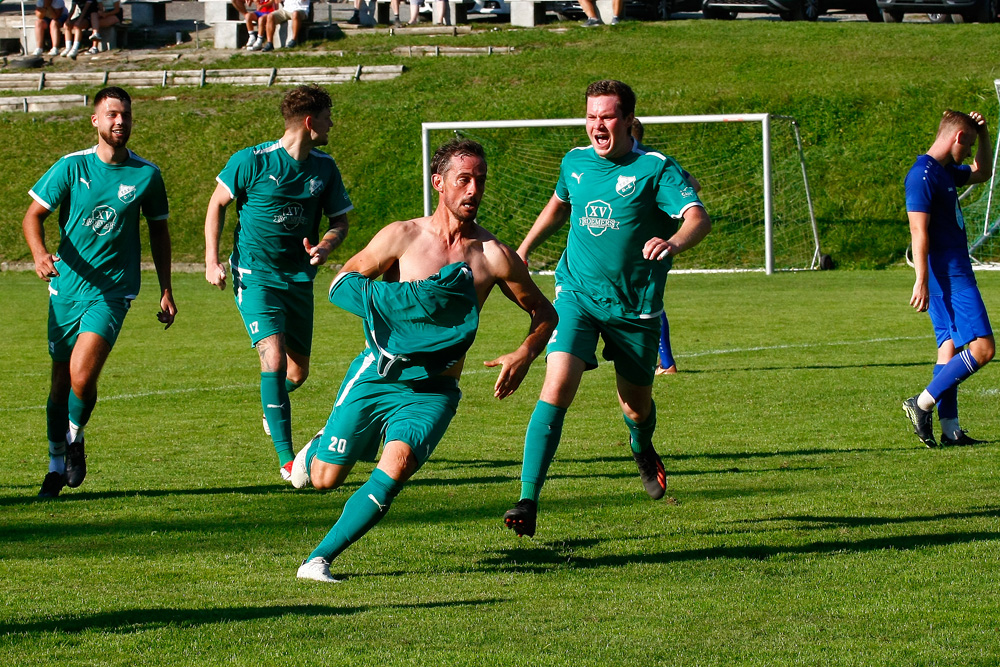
[{"x": 763, "y": 118}]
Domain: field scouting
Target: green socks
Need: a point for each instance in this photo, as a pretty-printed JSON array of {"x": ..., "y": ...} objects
[
  {"x": 642, "y": 434},
  {"x": 363, "y": 510},
  {"x": 278, "y": 413},
  {"x": 540, "y": 443},
  {"x": 79, "y": 414}
]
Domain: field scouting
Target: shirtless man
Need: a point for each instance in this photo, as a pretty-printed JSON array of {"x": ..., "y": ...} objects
[{"x": 419, "y": 321}]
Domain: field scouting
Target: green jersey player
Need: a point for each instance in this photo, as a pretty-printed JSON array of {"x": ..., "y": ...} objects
[
  {"x": 630, "y": 212},
  {"x": 282, "y": 189},
  {"x": 94, "y": 275}
]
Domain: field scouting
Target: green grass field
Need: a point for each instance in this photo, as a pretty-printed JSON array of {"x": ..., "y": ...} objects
[{"x": 803, "y": 525}]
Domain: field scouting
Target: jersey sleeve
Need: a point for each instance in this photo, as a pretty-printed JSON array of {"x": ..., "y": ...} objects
[
  {"x": 54, "y": 185},
  {"x": 562, "y": 190},
  {"x": 919, "y": 191},
  {"x": 960, "y": 173},
  {"x": 336, "y": 200},
  {"x": 154, "y": 204},
  {"x": 674, "y": 194},
  {"x": 238, "y": 173}
]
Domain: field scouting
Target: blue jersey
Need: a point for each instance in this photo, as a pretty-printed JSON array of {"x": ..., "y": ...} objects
[{"x": 932, "y": 189}]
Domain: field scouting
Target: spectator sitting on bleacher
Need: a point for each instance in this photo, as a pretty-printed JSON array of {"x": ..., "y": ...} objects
[
  {"x": 414, "y": 12},
  {"x": 79, "y": 19},
  {"x": 257, "y": 22},
  {"x": 296, "y": 11},
  {"x": 50, "y": 15},
  {"x": 103, "y": 14}
]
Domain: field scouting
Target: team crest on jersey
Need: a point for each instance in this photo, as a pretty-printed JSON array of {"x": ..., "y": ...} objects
[
  {"x": 597, "y": 217},
  {"x": 625, "y": 186},
  {"x": 315, "y": 186},
  {"x": 126, "y": 192},
  {"x": 102, "y": 220},
  {"x": 291, "y": 217}
]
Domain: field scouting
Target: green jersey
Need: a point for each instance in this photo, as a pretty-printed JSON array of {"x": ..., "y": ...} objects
[
  {"x": 280, "y": 201},
  {"x": 99, "y": 206},
  {"x": 617, "y": 206}
]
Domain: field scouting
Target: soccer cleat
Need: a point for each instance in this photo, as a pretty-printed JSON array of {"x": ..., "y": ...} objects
[
  {"x": 300, "y": 468},
  {"x": 651, "y": 472},
  {"x": 72, "y": 52},
  {"x": 286, "y": 471},
  {"x": 317, "y": 569},
  {"x": 52, "y": 485},
  {"x": 522, "y": 517},
  {"x": 251, "y": 40},
  {"x": 65, "y": 50},
  {"x": 963, "y": 439},
  {"x": 76, "y": 464},
  {"x": 922, "y": 421},
  {"x": 591, "y": 22},
  {"x": 38, "y": 52}
]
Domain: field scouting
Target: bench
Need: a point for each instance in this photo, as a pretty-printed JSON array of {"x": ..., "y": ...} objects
[
  {"x": 377, "y": 12},
  {"x": 233, "y": 34},
  {"x": 528, "y": 13}
]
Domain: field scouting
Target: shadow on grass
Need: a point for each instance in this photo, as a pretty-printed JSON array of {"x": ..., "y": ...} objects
[
  {"x": 820, "y": 522},
  {"x": 140, "y": 620},
  {"x": 543, "y": 559},
  {"x": 69, "y": 495},
  {"x": 800, "y": 367}
]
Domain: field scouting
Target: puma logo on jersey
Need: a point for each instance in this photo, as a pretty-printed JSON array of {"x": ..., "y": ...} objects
[
  {"x": 577, "y": 176},
  {"x": 275, "y": 179},
  {"x": 85, "y": 182}
]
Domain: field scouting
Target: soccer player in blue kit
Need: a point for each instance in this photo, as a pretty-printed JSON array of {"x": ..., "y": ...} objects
[
  {"x": 630, "y": 211},
  {"x": 945, "y": 285}
]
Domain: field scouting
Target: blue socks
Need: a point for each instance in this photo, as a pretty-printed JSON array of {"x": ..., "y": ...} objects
[
  {"x": 961, "y": 366},
  {"x": 363, "y": 510},
  {"x": 666, "y": 354}
]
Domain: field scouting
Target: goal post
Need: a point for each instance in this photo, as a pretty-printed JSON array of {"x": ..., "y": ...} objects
[
  {"x": 751, "y": 167},
  {"x": 980, "y": 204}
]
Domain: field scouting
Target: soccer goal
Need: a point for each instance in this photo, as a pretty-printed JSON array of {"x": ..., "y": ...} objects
[
  {"x": 751, "y": 169},
  {"x": 981, "y": 210}
]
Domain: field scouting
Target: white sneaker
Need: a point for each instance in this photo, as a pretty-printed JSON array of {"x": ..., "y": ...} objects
[
  {"x": 258, "y": 44},
  {"x": 72, "y": 52},
  {"x": 317, "y": 569},
  {"x": 38, "y": 52},
  {"x": 54, "y": 51},
  {"x": 65, "y": 50},
  {"x": 251, "y": 40},
  {"x": 300, "y": 471}
]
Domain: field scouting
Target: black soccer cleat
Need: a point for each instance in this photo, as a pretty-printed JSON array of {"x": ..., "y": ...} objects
[
  {"x": 651, "y": 472},
  {"x": 521, "y": 518},
  {"x": 922, "y": 421},
  {"x": 963, "y": 440},
  {"x": 52, "y": 485},
  {"x": 76, "y": 464}
]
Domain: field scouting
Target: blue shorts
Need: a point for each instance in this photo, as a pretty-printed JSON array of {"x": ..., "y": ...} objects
[
  {"x": 630, "y": 342},
  {"x": 371, "y": 410},
  {"x": 68, "y": 319},
  {"x": 959, "y": 316}
]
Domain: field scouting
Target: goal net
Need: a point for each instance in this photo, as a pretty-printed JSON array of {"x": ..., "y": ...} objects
[
  {"x": 751, "y": 169},
  {"x": 981, "y": 210}
]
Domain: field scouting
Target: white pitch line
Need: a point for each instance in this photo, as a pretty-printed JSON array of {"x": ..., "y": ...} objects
[{"x": 475, "y": 371}]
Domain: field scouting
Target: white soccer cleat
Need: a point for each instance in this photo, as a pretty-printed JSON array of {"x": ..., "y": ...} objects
[
  {"x": 286, "y": 472},
  {"x": 300, "y": 472},
  {"x": 317, "y": 569}
]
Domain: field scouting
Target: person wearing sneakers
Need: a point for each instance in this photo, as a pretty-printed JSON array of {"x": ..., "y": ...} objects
[
  {"x": 50, "y": 17},
  {"x": 945, "y": 285},
  {"x": 281, "y": 188},
  {"x": 256, "y": 22},
  {"x": 94, "y": 275},
  {"x": 419, "y": 320},
  {"x": 103, "y": 14},
  {"x": 296, "y": 11},
  {"x": 79, "y": 20},
  {"x": 630, "y": 211},
  {"x": 594, "y": 19}
]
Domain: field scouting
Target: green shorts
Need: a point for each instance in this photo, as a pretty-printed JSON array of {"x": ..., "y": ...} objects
[
  {"x": 269, "y": 307},
  {"x": 67, "y": 319},
  {"x": 371, "y": 410},
  {"x": 630, "y": 342}
]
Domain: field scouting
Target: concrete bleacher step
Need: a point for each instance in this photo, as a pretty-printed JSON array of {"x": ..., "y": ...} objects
[
  {"x": 264, "y": 76},
  {"x": 42, "y": 102}
]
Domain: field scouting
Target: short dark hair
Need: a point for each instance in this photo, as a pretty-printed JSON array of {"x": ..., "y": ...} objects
[
  {"x": 638, "y": 131},
  {"x": 454, "y": 148},
  {"x": 956, "y": 120},
  {"x": 115, "y": 93},
  {"x": 611, "y": 87},
  {"x": 304, "y": 101}
]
